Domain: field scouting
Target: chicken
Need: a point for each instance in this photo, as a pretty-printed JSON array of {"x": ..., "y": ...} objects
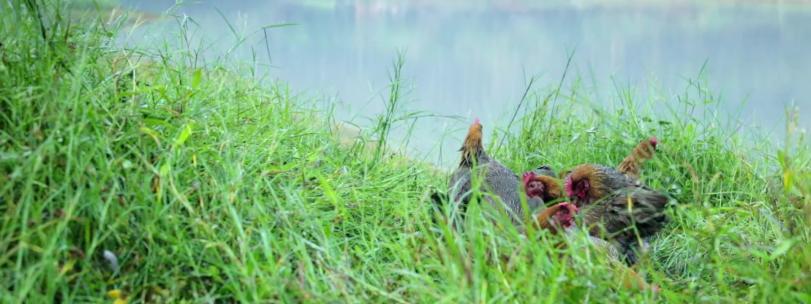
[
  {"x": 500, "y": 185},
  {"x": 541, "y": 183},
  {"x": 590, "y": 182},
  {"x": 615, "y": 206},
  {"x": 557, "y": 217},
  {"x": 561, "y": 217},
  {"x": 626, "y": 216},
  {"x": 613, "y": 218}
]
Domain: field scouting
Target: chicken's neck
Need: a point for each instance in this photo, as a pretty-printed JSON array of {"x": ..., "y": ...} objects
[{"x": 473, "y": 156}]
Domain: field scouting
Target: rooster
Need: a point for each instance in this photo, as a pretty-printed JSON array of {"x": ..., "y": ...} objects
[{"x": 497, "y": 179}]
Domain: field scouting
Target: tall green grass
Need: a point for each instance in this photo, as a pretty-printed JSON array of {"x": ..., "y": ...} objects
[{"x": 209, "y": 187}]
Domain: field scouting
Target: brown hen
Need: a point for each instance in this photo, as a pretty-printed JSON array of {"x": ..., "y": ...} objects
[{"x": 614, "y": 205}]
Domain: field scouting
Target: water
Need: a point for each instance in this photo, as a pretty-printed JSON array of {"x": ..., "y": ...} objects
[{"x": 470, "y": 59}]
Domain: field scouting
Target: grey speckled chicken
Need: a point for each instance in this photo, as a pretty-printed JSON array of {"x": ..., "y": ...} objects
[{"x": 500, "y": 185}]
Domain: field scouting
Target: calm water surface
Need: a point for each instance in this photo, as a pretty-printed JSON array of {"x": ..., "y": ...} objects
[{"x": 472, "y": 58}]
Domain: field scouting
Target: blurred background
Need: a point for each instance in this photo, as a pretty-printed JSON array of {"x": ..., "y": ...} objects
[{"x": 466, "y": 59}]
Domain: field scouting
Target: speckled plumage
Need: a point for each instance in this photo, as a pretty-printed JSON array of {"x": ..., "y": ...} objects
[
  {"x": 626, "y": 216},
  {"x": 614, "y": 204},
  {"x": 501, "y": 183},
  {"x": 602, "y": 181}
]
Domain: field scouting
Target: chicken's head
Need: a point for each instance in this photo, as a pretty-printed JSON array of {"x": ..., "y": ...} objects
[
  {"x": 557, "y": 217},
  {"x": 532, "y": 186},
  {"x": 542, "y": 186},
  {"x": 653, "y": 142},
  {"x": 565, "y": 215},
  {"x": 584, "y": 184}
]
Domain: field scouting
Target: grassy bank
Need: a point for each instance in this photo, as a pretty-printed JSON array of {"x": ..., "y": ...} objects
[{"x": 166, "y": 182}]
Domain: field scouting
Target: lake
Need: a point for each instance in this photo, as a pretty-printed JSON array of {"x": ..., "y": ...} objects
[{"x": 466, "y": 59}]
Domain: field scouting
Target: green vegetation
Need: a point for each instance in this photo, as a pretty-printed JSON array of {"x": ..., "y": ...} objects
[{"x": 206, "y": 186}]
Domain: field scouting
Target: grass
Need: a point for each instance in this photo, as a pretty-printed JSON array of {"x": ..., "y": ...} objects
[{"x": 209, "y": 187}]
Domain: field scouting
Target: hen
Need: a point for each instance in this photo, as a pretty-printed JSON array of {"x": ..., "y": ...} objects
[
  {"x": 614, "y": 205},
  {"x": 500, "y": 185},
  {"x": 541, "y": 183},
  {"x": 561, "y": 218},
  {"x": 590, "y": 182},
  {"x": 625, "y": 216}
]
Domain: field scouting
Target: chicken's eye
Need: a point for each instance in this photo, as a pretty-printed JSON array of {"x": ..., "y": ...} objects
[
  {"x": 582, "y": 188},
  {"x": 535, "y": 185}
]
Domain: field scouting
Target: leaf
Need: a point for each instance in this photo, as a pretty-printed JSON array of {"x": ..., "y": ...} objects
[
  {"x": 782, "y": 249},
  {"x": 270, "y": 26},
  {"x": 332, "y": 195},
  {"x": 164, "y": 170},
  {"x": 787, "y": 180},
  {"x": 329, "y": 191},
  {"x": 115, "y": 294},
  {"x": 9, "y": 156},
  {"x": 153, "y": 122},
  {"x": 197, "y": 78},
  {"x": 805, "y": 298},
  {"x": 151, "y": 133},
  {"x": 574, "y": 138},
  {"x": 183, "y": 136},
  {"x": 67, "y": 267}
]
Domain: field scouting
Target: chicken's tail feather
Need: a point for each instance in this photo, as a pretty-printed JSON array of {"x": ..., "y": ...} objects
[
  {"x": 642, "y": 152},
  {"x": 472, "y": 148}
]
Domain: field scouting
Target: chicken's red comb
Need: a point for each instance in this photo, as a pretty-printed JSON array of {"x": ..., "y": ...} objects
[
  {"x": 653, "y": 141},
  {"x": 476, "y": 121},
  {"x": 568, "y": 186},
  {"x": 528, "y": 176}
]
